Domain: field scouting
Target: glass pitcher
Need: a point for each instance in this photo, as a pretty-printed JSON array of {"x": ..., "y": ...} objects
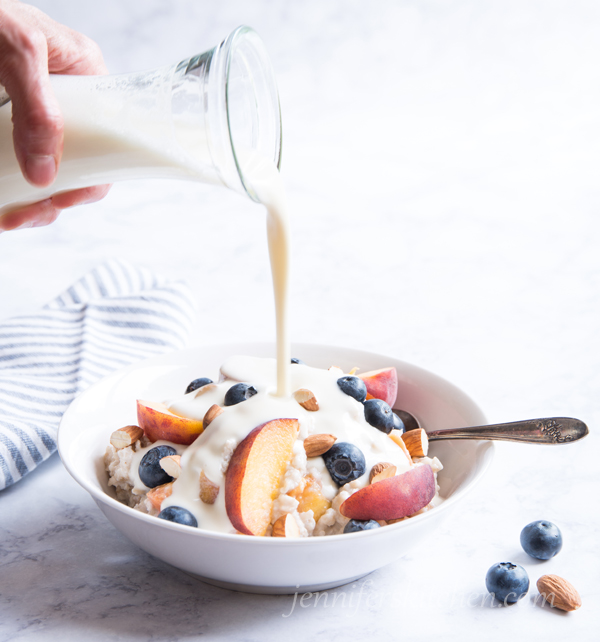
[{"x": 194, "y": 120}]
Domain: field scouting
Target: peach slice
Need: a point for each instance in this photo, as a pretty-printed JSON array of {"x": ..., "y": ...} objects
[
  {"x": 394, "y": 497},
  {"x": 381, "y": 384},
  {"x": 255, "y": 472},
  {"x": 159, "y": 494},
  {"x": 158, "y": 422},
  {"x": 310, "y": 497}
]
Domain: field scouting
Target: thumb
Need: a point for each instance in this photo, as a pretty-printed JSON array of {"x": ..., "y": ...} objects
[{"x": 37, "y": 121}]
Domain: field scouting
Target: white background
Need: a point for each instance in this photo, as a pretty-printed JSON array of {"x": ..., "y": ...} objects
[{"x": 442, "y": 166}]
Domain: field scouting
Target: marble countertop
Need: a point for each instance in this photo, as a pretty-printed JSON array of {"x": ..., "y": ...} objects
[{"x": 441, "y": 161}]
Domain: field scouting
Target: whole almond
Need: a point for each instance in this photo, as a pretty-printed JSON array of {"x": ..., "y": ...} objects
[
  {"x": 171, "y": 465},
  {"x": 380, "y": 471},
  {"x": 208, "y": 489},
  {"x": 286, "y": 526},
  {"x": 417, "y": 442},
  {"x": 211, "y": 414},
  {"x": 558, "y": 593},
  {"x": 126, "y": 436},
  {"x": 316, "y": 445}
]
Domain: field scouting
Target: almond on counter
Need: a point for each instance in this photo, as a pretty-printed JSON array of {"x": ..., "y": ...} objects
[{"x": 558, "y": 593}]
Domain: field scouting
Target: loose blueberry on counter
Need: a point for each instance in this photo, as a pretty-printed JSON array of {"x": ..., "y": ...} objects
[
  {"x": 297, "y": 361},
  {"x": 380, "y": 415},
  {"x": 398, "y": 423},
  {"x": 238, "y": 393},
  {"x": 507, "y": 582},
  {"x": 178, "y": 515},
  {"x": 198, "y": 383},
  {"x": 151, "y": 474},
  {"x": 357, "y": 525},
  {"x": 345, "y": 462},
  {"x": 541, "y": 539},
  {"x": 353, "y": 387}
]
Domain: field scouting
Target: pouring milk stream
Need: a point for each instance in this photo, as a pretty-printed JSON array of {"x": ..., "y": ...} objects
[{"x": 213, "y": 118}]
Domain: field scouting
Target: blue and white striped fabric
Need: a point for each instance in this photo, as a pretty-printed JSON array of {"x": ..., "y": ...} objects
[{"x": 115, "y": 315}]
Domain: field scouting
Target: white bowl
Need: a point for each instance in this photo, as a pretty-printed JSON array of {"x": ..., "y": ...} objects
[{"x": 256, "y": 564}]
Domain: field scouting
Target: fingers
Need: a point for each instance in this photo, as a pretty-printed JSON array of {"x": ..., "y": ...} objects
[
  {"x": 32, "y": 45},
  {"x": 80, "y": 196},
  {"x": 38, "y": 125},
  {"x": 46, "y": 212},
  {"x": 35, "y": 215},
  {"x": 69, "y": 52}
]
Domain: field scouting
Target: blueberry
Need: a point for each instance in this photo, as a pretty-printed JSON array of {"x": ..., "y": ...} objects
[
  {"x": 151, "y": 474},
  {"x": 198, "y": 383},
  {"x": 354, "y": 387},
  {"x": 380, "y": 415},
  {"x": 345, "y": 462},
  {"x": 507, "y": 582},
  {"x": 297, "y": 361},
  {"x": 357, "y": 525},
  {"x": 178, "y": 515},
  {"x": 541, "y": 539},
  {"x": 398, "y": 423},
  {"x": 238, "y": 393}
]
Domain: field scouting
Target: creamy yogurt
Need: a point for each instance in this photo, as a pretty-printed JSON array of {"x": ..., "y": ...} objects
[{"x": 339, "y": 415}]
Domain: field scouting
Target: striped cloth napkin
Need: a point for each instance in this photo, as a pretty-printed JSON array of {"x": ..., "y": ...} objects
[{"x": 115, "y": 315}]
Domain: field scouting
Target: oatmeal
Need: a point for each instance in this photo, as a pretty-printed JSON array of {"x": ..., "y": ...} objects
[{"x": 252, "y": 464}]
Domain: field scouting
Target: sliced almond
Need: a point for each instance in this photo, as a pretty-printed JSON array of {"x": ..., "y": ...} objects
[
  {"x": 338, "y": 371},
  {"x": 380, "y": 471},
  {"x": 558, "y": 593},
  {"x": 396, "y": 437},
  {"x": 306, "y": 398},
  {"x": 286, "y": 526},
  {"x": 208, "y": 489},
  {"x": 354, "y": 370},
  {"x": 416, "y": 441},
  {"x": 316, "y": 445},
  {"x": 126, "y": 436},
  {"x": 171, "y": 465},
  {"x": 211, "y": 414}
]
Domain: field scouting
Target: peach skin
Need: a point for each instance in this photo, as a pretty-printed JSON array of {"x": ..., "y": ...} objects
[{"x": 254, "y": 474}]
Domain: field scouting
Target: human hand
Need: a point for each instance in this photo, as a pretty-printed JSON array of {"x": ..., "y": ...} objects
[{"x": 32, "y": 45}]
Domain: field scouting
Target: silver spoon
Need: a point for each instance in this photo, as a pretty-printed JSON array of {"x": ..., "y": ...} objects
[{"x": 553, "y": 430}]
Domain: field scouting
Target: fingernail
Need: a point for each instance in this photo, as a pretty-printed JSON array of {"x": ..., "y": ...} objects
[{"x": 40, "y": 169}]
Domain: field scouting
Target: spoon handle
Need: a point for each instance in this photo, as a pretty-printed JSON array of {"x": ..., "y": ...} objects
[{"x": 554, "y": 430}]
